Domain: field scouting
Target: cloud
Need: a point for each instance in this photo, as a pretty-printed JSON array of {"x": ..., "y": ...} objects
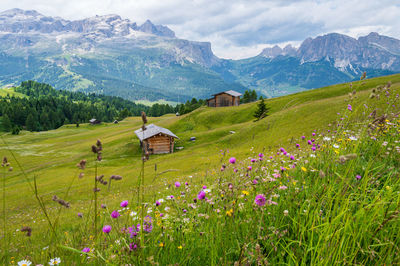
[{"x": 239, "y": 28}]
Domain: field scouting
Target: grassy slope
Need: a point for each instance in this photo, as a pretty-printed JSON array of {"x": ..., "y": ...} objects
[
  {"x": 10, "y": 91},
  {"x": 51, "y": 156}
]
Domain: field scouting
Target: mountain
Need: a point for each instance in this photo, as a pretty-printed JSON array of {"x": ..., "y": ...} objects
[{"x": 115, "y": 56}]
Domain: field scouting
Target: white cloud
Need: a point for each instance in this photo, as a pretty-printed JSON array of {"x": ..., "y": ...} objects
[{"x": 239, "y": 28}]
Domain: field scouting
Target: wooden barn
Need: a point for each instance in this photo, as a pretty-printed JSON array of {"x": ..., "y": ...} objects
[
  {"x": 94, "y": 121},
  {"x": 226, "y": 98},
  {"x": 156, "y": 140}
]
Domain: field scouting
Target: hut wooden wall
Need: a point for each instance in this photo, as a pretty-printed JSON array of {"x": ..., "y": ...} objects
[{"x": 160, "y": 144}]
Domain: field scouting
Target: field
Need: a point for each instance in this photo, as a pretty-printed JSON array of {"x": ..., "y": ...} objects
[{"x": 324, "y": 206}]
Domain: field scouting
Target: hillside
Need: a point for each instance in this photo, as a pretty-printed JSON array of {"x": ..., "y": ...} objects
[{"x": 51, "y": 156}]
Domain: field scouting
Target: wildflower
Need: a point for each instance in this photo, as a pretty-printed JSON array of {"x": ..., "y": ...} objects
[
  {"x": 313, "y": 134},
  {"x": 261, "y": 155},
  {"x": 81, "y": 164},
  {"x": 180, "y": 247},
  {"x": 285, "y": 212},
  {"x": 204, "y": 187},
  {"x": 115, "y": 214},
  {"x": 255, "y": 181},
  {"x": 86, "y": 250},
  {"x": 249, "y": 167},
  {"x": 260, "y": 200},
  {"x": 80, "y": 215},
  {"x": 253, "y": 160},
  {"x": 303, "y": 137},
  {"x": 352, "y": 138},
  {"x": 201, "y": 195},
  {"x": 282, "y": 187},
  {"x": 124, "y": 203},
  {"x": 158, "y": 203},
  {"x": 245, "y": 192},
  {"x": 186, "y": 183},
  {"x": 103, "y": 206},
  {"x": 335, "y": 146},
  {"x": 297, "y": 145},
  {"x": 291, "y": 157},
  {"x": 358, "y": 177},
  {"x": 132, "y": 246},
  {"x": 232, "y": 160},
  {"x": 161, "y": 244},
  {"x": 27, "y": 229},
  {"x": 61, "y": 202},
  {"x": 55, "y": 261},
  {"x": 303, "y": 169},
  {"x": 313, "y": 148},
  {"x": 107, "y": 229},
  {"x": 229, "y": 213},
  {"x": 349, "y": 107},
  {"x": 147, "y": 224},
  {"x": 24, "y": 262},
  {"x": 177, "y": 184},
  {"x": 327, "y": 138}
]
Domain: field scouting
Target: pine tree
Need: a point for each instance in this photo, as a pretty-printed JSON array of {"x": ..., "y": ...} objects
[
  {"x": 31, "y": 123},
  {"x": 262, "y": 110},
  {"x": 7, "y": 126}
]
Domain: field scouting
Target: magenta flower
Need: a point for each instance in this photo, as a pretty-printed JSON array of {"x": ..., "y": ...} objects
[
  {"x": 115, "y": 214},
  {"x": 255, "y": 182},
  {"x": 303, "y": 137},
  {"x": 313, "y": 134},
  {"x": 204, "y": 187},
  {"x": 201, "y": 195},
  {"x": 260, "y": 200},
  {"x": 358, "y": 177},
  {"x": 158, "y": 203},
  {"x": 103, "y": 206},
  {"x": 186, "y": 183},
  {"x": 297, "y": 145},
  {"x": 235, "y": 170},
  {"x": 132, "y": 246},
  {"x": 232, "y": 160},
  {"x": 86, "y": 250},
  {"x": 260, "y": 155},
  {"x": 309, "y": 142},
  {"x": 80, "y": 215},
  {"x": 349, "y": 107},
  {"x": 107, "y": 229},
  {"x": 249, "y": 167},
  {"x": 124, "y": 203},
  {"x": 253, "y": 160},
  {"x": 313, "y": 148},
  {"x": 291, "y": 157},
  {"x": 282, "y": 149},
  {"x": 177, "y": 184}
]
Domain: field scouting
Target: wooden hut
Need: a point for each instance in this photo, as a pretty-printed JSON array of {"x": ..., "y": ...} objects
[
  {"x": 156, "y": 140},
  {"x": 226, "y": 98},
  {"x": 94, "y": 121}
]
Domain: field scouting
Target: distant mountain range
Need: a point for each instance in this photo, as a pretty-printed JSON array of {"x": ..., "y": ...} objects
[{"x": 115, "y": 56}]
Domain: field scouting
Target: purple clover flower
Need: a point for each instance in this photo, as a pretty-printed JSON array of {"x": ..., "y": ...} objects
[{"x": 260, "y": 200}]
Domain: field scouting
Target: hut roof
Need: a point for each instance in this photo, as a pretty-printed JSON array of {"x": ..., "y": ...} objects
[
  {"x": 230, "y": 92},
  {"x": 152, "y": 130}
]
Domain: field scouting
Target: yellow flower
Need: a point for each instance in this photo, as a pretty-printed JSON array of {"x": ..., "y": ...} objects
[
  {"x": 180, "y": 247},
  {"x": 245, "y": 192},
  {"x": 303, "y": 169},
  {"x": 222, "y": 195},
  {"x": 161, "y": 244},
  {"x": 230, "y": 212}
]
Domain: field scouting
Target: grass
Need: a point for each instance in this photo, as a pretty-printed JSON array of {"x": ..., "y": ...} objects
[
  {"x": 10, "y": 91},
  {"x": 247, "y": 234}
]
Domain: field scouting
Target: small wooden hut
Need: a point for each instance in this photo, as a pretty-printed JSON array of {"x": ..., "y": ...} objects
[
  {"x": 156, "y": 140},
  {"x": 226, "y": 98},
  {"x": 94, "y": 121}
]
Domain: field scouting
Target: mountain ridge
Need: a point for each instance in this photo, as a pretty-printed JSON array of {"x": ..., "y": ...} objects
[{"x": 115, "y": 56}]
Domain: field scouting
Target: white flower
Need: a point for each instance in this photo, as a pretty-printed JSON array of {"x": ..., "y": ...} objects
[
  {"x": 207, "y": 190},
  {"x": 24, "y": 263},
  {"x": 161, "y": 200},
  {"x": 133, "y": 214},
  {"x": 166, "y": 209},
  {"x": 352, "y": 138},
  {"x": 336, "y": 146},
  {"x": 55, "y": 261},
  {"x": 312, "y": 155},
  {"x": 285, "y": 212},
  {"x": 327, "y": 138}
]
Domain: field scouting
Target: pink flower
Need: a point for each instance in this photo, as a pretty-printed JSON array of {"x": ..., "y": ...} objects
[
  {"x": 255, "y": 181},
  {"x": 158, "y": 203},
  {"x": 107, "y": 229},
  {"x": 204, "y": 187},
  {"x": 249, "y": 167},
  {"x": 260, "y": 155},
  {"x": 282, "y": 187},
  {"x": 349, "y": 107},
  {"x": 253, "y": 160},
  {"x": 177, "y": 184},
  {"x": 232, "y": 160},
  {"x": 115, "y": 214},
  {"x": 86, "y": 250},
  {"x": 260, "y": 200},
  {"x": 124, "y": 203},
  {"x": 201, "y": 195},
  {"x": 358, "y": 177}
]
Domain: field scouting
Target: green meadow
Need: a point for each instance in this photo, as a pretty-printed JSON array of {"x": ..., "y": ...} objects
[{"x": 50, "y": 158}]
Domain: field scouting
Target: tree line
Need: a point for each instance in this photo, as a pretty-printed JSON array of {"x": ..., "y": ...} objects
[{"x": 46, "y": 108}]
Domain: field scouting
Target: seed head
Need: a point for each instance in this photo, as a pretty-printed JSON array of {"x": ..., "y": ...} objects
[{"x": 144, "y": 118}]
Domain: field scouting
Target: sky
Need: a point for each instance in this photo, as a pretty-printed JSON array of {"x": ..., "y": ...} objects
[{"x": 237, "y": 28}]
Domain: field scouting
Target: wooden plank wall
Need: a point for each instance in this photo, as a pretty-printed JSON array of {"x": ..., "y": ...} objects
[{"x": 159, "y": 144}]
